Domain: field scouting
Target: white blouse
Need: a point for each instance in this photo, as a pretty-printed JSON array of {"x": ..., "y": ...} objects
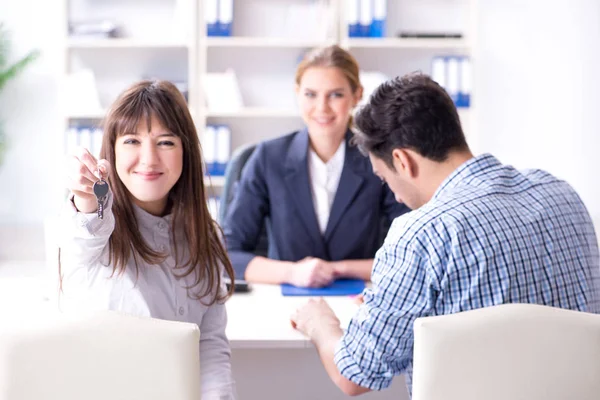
[
  {"x": 155, "y": 292},
  {"x": 324, "y": 180}
]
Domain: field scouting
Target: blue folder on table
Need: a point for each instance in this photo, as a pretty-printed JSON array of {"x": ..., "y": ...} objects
[{"x": 341, "y": 287}]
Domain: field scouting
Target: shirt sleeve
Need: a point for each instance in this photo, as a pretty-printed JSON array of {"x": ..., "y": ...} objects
[
  {"x": 378, "y": 343},
  {"x": 83, "y": 237},
  {"x": 215, "y": 355}
]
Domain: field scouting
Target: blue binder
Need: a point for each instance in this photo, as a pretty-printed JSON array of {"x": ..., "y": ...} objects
[
  {"x": 353, "y": 16},
  {"x": 365, "y": 17},
  {"x": 225, "y": 19},
  {"x": 379, "y": 16},
  {"x": 341, "y": 287},
  {"x": 464, "y": 92},
  {"x": 211, "y": 9}
]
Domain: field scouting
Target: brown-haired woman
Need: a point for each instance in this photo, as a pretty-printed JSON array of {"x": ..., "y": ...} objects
[
  {"x": 156, "y": 251},
  {"x": 323, "y": 205}
]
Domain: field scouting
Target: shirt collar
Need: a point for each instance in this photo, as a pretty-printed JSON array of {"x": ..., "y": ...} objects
[
  {"x": 151, "y": 222},
  {"x": 467, "y": 171},
  {"x": 334, "y": 162}
]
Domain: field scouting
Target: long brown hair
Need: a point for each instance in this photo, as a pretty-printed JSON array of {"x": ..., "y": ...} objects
[
  {"x": 331, "y": 56},
  {"x": 187, "y": 198}
]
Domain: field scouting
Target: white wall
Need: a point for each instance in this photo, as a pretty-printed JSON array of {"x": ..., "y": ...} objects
[
  {"x": 538, "y": 88},
  {"x": 537, "y": 96},
  {"x": 29, "y": 107}
]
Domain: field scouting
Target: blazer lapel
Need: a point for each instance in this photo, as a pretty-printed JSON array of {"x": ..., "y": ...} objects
[
  {"x": 350, "y": 182},
  {"x": 297, "y": 183}
]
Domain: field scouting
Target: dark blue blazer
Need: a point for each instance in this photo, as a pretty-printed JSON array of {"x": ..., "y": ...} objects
[{"x": 275, "y": 188}]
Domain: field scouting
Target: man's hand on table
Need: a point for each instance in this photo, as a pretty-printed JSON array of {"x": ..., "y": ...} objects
[{"x": 316, "y": 320}]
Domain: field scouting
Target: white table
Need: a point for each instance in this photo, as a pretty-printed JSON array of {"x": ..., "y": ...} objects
[{"x": 271, "y": 360}]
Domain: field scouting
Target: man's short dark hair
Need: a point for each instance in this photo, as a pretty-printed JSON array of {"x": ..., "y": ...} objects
[{"x": 410, "y": 112}]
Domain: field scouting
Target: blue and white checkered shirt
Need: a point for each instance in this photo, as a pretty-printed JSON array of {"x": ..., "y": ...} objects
[{"x": 490, "y": 235}]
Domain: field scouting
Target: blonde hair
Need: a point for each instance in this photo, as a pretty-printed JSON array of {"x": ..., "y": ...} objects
[{"x": 332, "y": 56}]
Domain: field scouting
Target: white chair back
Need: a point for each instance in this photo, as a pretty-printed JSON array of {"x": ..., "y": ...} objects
[
  {"x": 104, "y": 355},
  {"x": 508, "y": 352}
]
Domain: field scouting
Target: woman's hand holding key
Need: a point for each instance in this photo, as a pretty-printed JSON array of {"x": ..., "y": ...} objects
[{"x": 83, "y": 171}]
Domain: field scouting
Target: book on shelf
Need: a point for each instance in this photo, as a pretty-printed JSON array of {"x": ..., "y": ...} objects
[
  {"x": 222, "y": 91},
  {"x": 366, "y": 18},
  {"x": 218, "y": 16},
  {"x": 453, "y": 73},
  {"x": 216, "y": 147},
  {"x": 81, "y": 93}
]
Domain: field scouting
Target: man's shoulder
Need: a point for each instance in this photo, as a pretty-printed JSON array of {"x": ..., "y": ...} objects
[
  {"x": 539, "y": 176},
  {"x": 414, "y": 226}
]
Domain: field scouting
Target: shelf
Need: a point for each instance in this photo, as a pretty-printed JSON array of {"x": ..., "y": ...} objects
[
  {"x": 90, "y": 115},
  {"x": 273, "y": 42},
  {"x": 84, "y": 43},
  {"x": 214, "y": 181},
  {"x": 254, "y": 112},
  {"x": 408, "y": 43}
]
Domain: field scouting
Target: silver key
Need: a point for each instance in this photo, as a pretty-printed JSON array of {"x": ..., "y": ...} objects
[{"x": 100, "y": 189}]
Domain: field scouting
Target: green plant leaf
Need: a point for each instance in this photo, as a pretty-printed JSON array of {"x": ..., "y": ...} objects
[
  {"x": 13, "y": 70},
  {"x": 8, "y": 72}
]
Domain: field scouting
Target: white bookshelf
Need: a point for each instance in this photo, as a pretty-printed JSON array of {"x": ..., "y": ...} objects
[
  {"x": 89, "y": 115},
  {"x": 267, "y": 43},
  {"x": 408, "y": 43},
  {"x": 158, "y": 40},
  {"x": 214, "y": 181},
  {"x": 80, "y": 44}
]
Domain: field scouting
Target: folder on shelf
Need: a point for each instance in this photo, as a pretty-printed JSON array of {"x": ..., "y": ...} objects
[
  {"x": 341, "y": 287},
  {"x": 352, "y": 15},
  {"x": 209, "y": 146},
  {"x": 97, "y": 136},
  {"x": 225, "y": 18},
  {"x": 438, "y": 71},
  {"x": 222, "y": 91},
  {"x": 365, "y": 17},
  {"x": 379, "y": 17},
  {"x": 223, "y": 149},
  {"x": 464, "y": 94},
  {"x": 452, "y": 76},
  {"x": 85, "y": 138},
  {"x": 213, "y": 206},
  {"x": 81, "y": 93},
  {"x": 370, "y": 81},
  {"x": 71, "y": 139},
  {"x": 211, "y": 9}
]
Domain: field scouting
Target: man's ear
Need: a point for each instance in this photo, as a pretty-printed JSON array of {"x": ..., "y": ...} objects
[{"x": 405, "y": 162}]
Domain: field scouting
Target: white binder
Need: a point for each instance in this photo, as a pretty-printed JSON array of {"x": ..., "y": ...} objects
[
  {"x": 352, "y": 16},
  {"x": 225, "y": 17},
  {"x": 453, "y": 78},
  {"x": 438, "y": 71},
  {"x": 211, "y": 8},
  {"x": 465, "y": 82},
  {"x": 366, "y": 17},
  {"x": 223, "y": 148},
  {"x": 209, "y": 146}
]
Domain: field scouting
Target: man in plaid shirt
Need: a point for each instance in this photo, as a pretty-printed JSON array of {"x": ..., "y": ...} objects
[{"x": 480, "y": 234}]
